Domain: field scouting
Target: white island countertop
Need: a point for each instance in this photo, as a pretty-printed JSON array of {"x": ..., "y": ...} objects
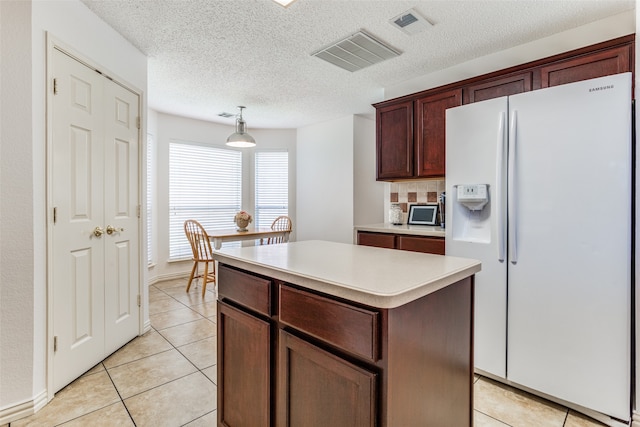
[
  {"x": 382, "y": 278},
  {"x": 415, "y": 230}
]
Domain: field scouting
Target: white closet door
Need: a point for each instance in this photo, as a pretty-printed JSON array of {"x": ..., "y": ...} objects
[
  {"x": 121, "y": 214},
  {"x": 77, "y": 261},
  {"x": 96, "y": 235}
]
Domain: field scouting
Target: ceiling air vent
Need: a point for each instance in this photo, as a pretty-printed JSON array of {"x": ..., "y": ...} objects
[
  {"x": 410, "y": 22},
  {"x": 356, "y": 52}
]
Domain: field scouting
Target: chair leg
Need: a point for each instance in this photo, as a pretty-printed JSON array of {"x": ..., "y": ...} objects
[
  {"x": 193, "y": 272},
  {"x": 204, "y": 278}
]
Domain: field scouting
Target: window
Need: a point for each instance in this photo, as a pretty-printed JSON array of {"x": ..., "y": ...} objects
[
  {"x": 272, "y": 186},
  {"x": 205, "y": 184},
  {"x": 150, "y": 180}
]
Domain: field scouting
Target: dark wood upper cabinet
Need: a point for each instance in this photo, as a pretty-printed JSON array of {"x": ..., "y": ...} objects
[
  {"x": 590, "y": 66},
  {"x": 394, "y": 142},
  {"x": 430, "y": 132},
  {"x": 410, "y": 136},
  {"x": 504, "y": 86}
]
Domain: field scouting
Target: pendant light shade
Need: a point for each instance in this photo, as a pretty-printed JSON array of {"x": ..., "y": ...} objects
[{"x": 241, "y": 138}]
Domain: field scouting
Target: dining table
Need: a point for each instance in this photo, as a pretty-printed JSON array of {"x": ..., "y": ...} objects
[{"x": 233, "y": 234}]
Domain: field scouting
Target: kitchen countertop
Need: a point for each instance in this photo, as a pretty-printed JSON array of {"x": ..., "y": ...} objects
[
  {"x": 418, "y": 230},
  {"x": 382, "y": 278}
]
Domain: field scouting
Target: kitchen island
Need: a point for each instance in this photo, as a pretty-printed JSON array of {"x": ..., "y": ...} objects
[{"x": 318, "y": 333}]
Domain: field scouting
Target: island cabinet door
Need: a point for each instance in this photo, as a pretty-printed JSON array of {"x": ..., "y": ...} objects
[
  {"x": 318, "y": 388},
  {"x": 244, "y": 369}
]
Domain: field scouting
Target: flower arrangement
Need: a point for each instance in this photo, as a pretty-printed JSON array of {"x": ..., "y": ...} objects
[
  {"x": 242, "y": 215},
  {"x": 242, "y": 220}
]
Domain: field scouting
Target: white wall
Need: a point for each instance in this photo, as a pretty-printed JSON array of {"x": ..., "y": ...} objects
[
  {"x": 325, "y": 181},
  {"x": 174, "y": 127},
  {"x": 152, "y": 137},
  {"x": 23, "y": 210},
  {"x": 368, "y": 194},
  {"x": 337, "y": 179},
  {"x": 19, "y": 295}
]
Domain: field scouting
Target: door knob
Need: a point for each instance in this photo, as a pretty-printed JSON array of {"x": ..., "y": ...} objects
[
  {"x": 98, "y": 231},
  {"x": 111, "y": 230}
]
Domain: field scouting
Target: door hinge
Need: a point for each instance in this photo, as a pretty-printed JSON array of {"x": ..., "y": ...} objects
[
  {"x": 138, "y": 122},
  {"x": 139, "y": 300},
  {"x": 55, "y": 215},
  {"x": 55, "y": 344},
  {"x": 138, "y": 209},
  {"x": 55, "y": 86}
]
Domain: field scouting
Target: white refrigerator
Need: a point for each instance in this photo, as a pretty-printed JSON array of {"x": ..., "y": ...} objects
[{"x": 553, "y": 299}]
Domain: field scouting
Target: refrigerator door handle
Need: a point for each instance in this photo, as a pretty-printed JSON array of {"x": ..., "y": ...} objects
[
  {"x": 502, "y": 235},
  {"x": 511, "y": 188}
]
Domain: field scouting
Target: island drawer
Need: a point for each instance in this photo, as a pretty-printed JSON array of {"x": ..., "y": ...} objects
[
  {"x": 430, "y": 245},
  {"x": 351, "y": 328},
  {"x": 245, "y": 289}
]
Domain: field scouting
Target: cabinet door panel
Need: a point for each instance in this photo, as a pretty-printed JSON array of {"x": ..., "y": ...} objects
[
  {"x": 504, "y": 86},
  {"x": 430, "y": 132},
  {"x": 317, "y": 388},
  {"x": 431, "y": 245},
  {"x": 379, "y": 240},
  {"x": 599, "y": 64},
  {"x": 244, "y": 368},
  {"x": 394, "y": 141}
]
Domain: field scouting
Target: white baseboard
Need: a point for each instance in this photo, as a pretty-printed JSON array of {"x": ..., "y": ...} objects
[
  {"x": 635, "y": 420},
  {"x": 168, "y": 276},
  {"x": 23, "y": 409}
]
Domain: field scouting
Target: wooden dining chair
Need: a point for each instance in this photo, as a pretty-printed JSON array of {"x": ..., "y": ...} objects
[
  {"x": 281, "y": 223},
  {"x": 202, "y": 253}
]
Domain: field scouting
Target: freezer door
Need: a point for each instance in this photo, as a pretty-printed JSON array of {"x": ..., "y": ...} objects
[
  {"x": 476, "y": 154},
  {"x": 569, "y": 311}
]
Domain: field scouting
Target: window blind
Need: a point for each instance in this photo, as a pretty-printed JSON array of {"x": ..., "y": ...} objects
[
  {"x": 271, "y": 186},
  {"x": 205, "y": 184}
]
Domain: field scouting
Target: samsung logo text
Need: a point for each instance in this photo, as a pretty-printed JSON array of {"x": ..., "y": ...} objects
[{"x": 596, "y": 89}]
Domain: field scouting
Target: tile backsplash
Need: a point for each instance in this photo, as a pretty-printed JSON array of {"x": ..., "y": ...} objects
[{"x": 414, "y": 192}]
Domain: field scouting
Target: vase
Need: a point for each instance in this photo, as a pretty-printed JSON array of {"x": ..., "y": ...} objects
[
  {"x": 395, "y": 214},
  {"x": 242, "y": 224}
]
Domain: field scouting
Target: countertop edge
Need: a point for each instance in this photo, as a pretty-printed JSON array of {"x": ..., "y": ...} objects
[{"x": 342, "y": 291}]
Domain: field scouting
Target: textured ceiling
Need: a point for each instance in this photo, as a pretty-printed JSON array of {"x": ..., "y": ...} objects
[{"x": 206, "y": 56}]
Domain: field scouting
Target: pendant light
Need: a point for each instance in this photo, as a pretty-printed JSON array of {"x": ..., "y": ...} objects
[{"x": 241, "y": 138}]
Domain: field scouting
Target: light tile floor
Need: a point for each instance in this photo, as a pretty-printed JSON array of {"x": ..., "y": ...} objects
[{"x": 167, "y": 377}]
